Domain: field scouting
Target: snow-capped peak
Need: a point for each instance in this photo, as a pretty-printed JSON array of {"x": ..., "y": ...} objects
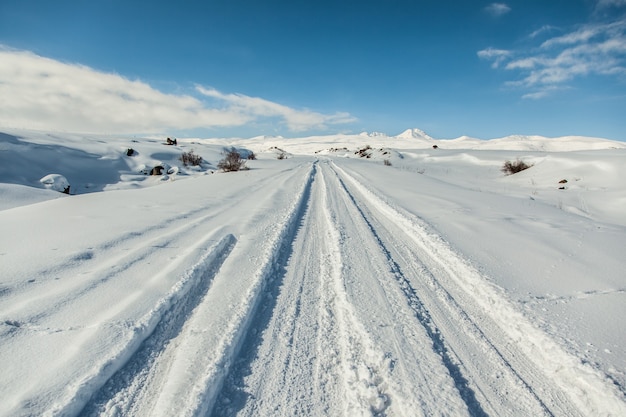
[{"x": 414, "y": 134}]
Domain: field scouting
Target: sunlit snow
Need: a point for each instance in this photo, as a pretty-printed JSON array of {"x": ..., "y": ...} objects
[{"x": 336, "y": 275}]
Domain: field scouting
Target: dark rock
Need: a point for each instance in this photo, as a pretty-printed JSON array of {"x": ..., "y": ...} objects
[{"x": 157, "y": 170}]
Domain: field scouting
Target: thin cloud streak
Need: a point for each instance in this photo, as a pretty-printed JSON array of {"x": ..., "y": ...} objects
[
  {"x": 497, "y": 9},
  {"x": 497, "y": 55},
  {"x": 541, "y": 30},
  {"x": 587, "y": 33},
  {"x": 592, "y": 49},
  {"x": 603, "y": 4},
  {"x": 42, "y": 93}
]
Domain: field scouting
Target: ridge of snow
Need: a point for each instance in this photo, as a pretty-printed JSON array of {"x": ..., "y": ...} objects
[{"x": 375, "y": 134}]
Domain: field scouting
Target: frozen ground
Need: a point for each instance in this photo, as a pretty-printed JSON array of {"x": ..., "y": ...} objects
[{"x": 324, "y": 283}]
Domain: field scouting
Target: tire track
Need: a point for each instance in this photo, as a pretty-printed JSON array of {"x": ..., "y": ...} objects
[
  {"x": 413, "y": 368},
  {"x": 314, "y": 351},
  {"x": 115, "y": 326},
  {"x": 122, "y": 388},
  {"x": 281, "y": 299},
  {"x": 108, "y": 260},
  {"x": 489, "y": 385},
  {"x": 216, "y": 337},
  {"x": 158, "y": 380},
  {"x": 366, "y": 368},
  {"x": 232, "y": 396},
  {"x": 308, "y": 354},
  {"x": 422, "y": 314},
  {"x": 357, "y": 363},
  {"x": 515, "y": 353},
  {"x": 113, "y": 267},
  {"x": 445, "y": 334}
]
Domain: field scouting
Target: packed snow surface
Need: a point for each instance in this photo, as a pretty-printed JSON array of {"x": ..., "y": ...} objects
[{"x": 345, "y": 275}]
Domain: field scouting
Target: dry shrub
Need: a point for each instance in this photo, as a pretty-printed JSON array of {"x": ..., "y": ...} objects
[
  {"x": 513, "y": 167},
  {"x": 232, "y": 161},
  {"x": 190, "y": 158}
]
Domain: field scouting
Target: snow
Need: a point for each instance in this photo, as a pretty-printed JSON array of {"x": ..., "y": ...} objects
[
  {"x": 56, "y": 182},
  {"x": 414, "y": 134},
  {"x": 323, "y": 283}
]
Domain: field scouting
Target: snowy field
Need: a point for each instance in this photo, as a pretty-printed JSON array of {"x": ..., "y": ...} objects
[{"x": 407, "y": 278}]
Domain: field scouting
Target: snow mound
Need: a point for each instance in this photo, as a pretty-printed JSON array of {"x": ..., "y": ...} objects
[
  {"x": 56, "y": 182},
  {"x": 540, "y": 143},
  {"x": 15, "y": 195},
  {"x": 93, "y": 163}
]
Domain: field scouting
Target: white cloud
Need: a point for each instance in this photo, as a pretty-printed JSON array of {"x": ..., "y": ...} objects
[
  {"x": 296, "y": 120},
  {"x": 592, "y": 49},
  {"x": 497, "y": 9},
  {"x": 497, "y": 55},
  {"x": 536, "y": 95},
  {"x": 541, "y": 30},
  {"x": 611, "y": 3},
  {"x": 542, "y": 92},
  {"x": 589, "y": 33},
  {"x": 42, "y": 93},
  {"x": 524, "y": 63},
  {"x": 581, "y": 35}
]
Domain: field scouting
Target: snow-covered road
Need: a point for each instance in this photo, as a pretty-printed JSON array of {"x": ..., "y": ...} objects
[{"x": 296, "y": 289}]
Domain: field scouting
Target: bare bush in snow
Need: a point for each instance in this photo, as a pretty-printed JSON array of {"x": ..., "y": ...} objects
[
  {"x": 513, "y": 167},
  {"x": 190, "y": 158},
  {"x": 232, "y": 161}
]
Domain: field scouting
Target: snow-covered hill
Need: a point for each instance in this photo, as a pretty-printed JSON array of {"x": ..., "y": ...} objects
[
  {"x": 356, "y": 275},
  {"x": 418, "y": 139}
]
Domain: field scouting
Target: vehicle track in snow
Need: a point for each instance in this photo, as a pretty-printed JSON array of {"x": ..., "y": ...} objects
[
  {"x": 510, "y": 366},
  {"x": 335, "y": 302},
  {"x": 180, "y": 366},
  {"x": 318, "y": 350},
  {"x": 445, "y": 334},
  {"x": 107, "y": 260},
  {"x": 375, "y": 315},
  {"x": 159, "y": 273},
  {"x": 124, "y": 389},
  {"x": 306, "y": 353}
]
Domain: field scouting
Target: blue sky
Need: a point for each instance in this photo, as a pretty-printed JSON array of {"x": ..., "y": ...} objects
[{"x": 294, "y": 68}]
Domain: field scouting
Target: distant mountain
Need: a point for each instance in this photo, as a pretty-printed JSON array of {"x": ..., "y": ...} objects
[
  {"x": 418, "y": 139},
  {"x": 414, "y": 134},
  {"x": 541, "y": 143}
]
